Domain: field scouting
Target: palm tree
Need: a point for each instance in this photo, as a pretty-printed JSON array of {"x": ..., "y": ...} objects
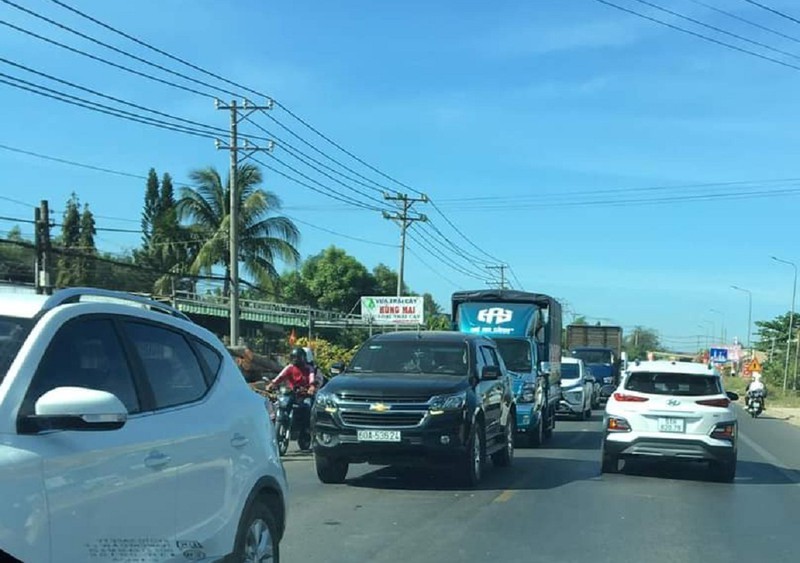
[{"x": 262, "y": 239}]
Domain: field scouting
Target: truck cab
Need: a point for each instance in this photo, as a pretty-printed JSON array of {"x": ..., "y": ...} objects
[{"x": 521, "y": 324}]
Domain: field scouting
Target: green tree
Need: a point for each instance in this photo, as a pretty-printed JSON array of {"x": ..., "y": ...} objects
[
  {"x": 68, "y": 268},
  {"x": 86, "y": 261},
  {"x": 640, "y": 341},
  {"x": 772, "y": 338},
  {"x": 435, "y": 318},
  {"x": 385, "y": 281},
  {"x": 150, "y": 211},
  {"x": 335, "y": 280},
  {"x": 263, "y": 239},
  {"x": 17, "y": 257}
]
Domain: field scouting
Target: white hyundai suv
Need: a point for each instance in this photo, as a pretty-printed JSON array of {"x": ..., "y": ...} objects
[
  {"x": 671, "y": 410},
  {"x": 127, "y": 433}
]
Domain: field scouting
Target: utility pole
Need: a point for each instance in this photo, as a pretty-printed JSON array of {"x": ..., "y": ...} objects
[
  {"x": 502, "y": 268},
  {"x": 405, "y": 220},
  {"x": 238, "y": 113},
  {"x": 791, "y": 320},
  {"x": 43, "y": 246}
]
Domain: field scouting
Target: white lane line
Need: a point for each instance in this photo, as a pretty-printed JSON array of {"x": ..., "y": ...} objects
[{"x": 778, "y": 464}]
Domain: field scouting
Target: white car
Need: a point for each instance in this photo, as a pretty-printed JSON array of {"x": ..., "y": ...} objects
[
  {"x": 577, "y": 387},
  {"x": 671, "y": 410},
  {"x": 127, "y": 433}
]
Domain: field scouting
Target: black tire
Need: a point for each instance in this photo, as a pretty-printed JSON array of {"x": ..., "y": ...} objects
[
  {"x": 505, "y": 457},
  {"x": 548, "y": 429},
  {"x": 473, "y": 461},
  {"x": 609, "y": 463},
  {"x": 283, "y": 436},
  {"x": 258, "y": 517},
  {"x": 331, "y": 471},
  {"x": 724, "y": 472},
  {"x": 536, "y": 439},
  {"x": 304, "y": 440}
]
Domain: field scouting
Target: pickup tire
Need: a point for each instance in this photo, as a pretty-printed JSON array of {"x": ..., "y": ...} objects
[
  {"x": 329, "y": 470},
  {"x": 505, "y": 457},
  {"x": 472, "y": 463}
]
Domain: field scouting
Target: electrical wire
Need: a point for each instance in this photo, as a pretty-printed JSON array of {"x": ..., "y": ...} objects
[
  {"x": 431, "y": 268},
  {"x": 428, "y": 246},
  {"x": 773, "y": 10},
  {"x": 745, "y": 20}
]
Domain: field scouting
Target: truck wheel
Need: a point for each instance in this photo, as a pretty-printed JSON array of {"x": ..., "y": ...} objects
[
  {"x": 329, "y": 470},
  {"x": 536, "y": 439},
  {"x": 505, "y": 457},
  {"x": 472, "y": 464}
]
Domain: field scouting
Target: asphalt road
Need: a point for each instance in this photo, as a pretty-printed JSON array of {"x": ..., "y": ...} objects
[{"x": 553, "y": 505}]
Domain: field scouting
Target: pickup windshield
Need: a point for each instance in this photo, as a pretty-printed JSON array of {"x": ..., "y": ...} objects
[
  {"x": 673, "y": 384},
  {"x": 570, "y": 371},
  {"x": 12, "y": 334},
  {"x": 423, "y": 357},
  {"x": 593, "y": 356},
  {"x": 516, "y": 354}
]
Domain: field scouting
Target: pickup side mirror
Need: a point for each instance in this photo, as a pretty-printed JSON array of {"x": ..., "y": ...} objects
[
  {"x": 732, "y": 396},
  {"x": 77, "y": 408},
  {"x": 337, "y": 368},
  {"x": 490, "y": 373}
]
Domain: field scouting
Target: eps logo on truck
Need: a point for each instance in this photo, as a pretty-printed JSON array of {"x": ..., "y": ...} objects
[{"x": 495, "y": 315}]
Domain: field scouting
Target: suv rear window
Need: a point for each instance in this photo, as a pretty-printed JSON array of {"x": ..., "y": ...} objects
[{"x": 673, "y": 383}]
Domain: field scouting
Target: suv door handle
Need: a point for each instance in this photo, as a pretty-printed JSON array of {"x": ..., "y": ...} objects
[
  {"x": 239, "y": 441},
  {"x": 157, "y": 460}
]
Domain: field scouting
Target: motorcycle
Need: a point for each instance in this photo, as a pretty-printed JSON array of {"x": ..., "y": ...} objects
[
  {"x": 755, "y": 404},
  {"x": 291, "y": 420}
]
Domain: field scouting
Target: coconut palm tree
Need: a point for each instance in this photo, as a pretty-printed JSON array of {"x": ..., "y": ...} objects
[{"x": 262, "y": 238}]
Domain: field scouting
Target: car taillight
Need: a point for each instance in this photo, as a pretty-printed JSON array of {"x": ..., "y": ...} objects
[
  {"x": 724, "y": 431},
  {"x": 723, "y": 403},
  {"x": 623, "y": 398},
  {"x": 617, "y": 424}
]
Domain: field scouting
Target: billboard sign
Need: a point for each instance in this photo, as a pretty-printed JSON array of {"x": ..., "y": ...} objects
[
  {"x": 719, "y": 355},
  {"x": 393, "y": 310}
]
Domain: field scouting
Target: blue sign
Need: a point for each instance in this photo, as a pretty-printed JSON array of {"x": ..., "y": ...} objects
[
  {"x": 718, "y": 355},
  {"x": 496, "y": 319}
]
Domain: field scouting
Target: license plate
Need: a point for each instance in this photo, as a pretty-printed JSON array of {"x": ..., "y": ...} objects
[
  {"x": 671, "y": 425},
  {"x": 378, "y": 435}
]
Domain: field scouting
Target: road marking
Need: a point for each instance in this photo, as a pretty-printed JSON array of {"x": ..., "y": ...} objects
[
  {"x": 777, "y": 464},
  {"x": 505, "y": 496}
]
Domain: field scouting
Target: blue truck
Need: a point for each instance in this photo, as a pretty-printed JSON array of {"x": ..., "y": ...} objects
[
  {"x": 527, "y": 329},
  {"x": 600, "y": 348}
]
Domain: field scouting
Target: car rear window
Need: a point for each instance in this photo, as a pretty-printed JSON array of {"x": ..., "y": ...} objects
[{"x": 656, "y": 383}]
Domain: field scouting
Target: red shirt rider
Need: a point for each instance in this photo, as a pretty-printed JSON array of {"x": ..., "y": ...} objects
[{"x": 297, "y": 374}]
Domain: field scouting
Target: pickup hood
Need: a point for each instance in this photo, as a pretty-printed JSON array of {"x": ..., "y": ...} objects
[
  {"x": 567, "y": 383},
  {"x": 396, "y": 385}
]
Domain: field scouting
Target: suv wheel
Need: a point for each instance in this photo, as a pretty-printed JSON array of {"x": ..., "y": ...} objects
[
  {"x": 505, "y": 457},
  {"x": 257, "y": 538},
  {"x": 329, "y": 470},
  {"x": 724, "y": 472},
  {"x": 473, "y": 460}
]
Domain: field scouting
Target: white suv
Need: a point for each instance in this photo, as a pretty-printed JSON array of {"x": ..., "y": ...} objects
[
  {"x": 127, "y": 433},
  {"x": 671, "y": 410}
]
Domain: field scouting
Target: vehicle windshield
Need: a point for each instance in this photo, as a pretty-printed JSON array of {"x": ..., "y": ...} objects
[
  {"x": 593, "y": 356},
  {"x": 516, "y": 354},
  {"x": 416, "y": 356},
  {"x": 12, "y": 334},
  {"x": 570, "y": 371},
  {"x": 673, "y": 384}
]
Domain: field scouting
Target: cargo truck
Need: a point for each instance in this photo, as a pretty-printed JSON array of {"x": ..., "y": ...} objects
[
  {"x": 527, "y": 329},
  {"x": 600, "y": 348}
]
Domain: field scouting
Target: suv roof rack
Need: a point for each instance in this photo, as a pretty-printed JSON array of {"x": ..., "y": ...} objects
[{"x": 73, "y": 295}]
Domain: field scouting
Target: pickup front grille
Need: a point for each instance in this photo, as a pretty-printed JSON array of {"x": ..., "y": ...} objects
[
  {"x": 362, "y": 398},
  {"x": 381, "y": 420}
]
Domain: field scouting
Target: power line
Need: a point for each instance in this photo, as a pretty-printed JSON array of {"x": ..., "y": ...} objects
[
  {"x": 428, "y": 245},
  {"x": 432, "y": 269},
  {"x": 516, "y": 279},
  {"x": 745, "y": 20},
  {"x": 456, "y": 229},
  {"x": 337, "y": 233},
  {"x": 773, "y": 10},
  {"x": 698, "y": 35},
  {"x": 17, "y": 201},
  {"x": 717, "y": 29}
]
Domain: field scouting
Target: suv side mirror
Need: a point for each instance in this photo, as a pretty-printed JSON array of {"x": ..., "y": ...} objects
[
  {"x": 77, "y": 408},
  {"x": 732, "y": 396},
  {"x": 490, "y": 373}
]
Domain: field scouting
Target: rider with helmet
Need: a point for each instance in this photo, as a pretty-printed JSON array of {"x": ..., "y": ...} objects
[
  {"x": 756, "y": 385},
  {"x": 297, "y": 374}
]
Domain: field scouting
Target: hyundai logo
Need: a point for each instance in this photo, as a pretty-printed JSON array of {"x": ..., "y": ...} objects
[{"x": 673, "y": 402}]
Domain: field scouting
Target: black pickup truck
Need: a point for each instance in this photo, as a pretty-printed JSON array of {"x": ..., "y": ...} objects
[{"x": 440, "y": 399}]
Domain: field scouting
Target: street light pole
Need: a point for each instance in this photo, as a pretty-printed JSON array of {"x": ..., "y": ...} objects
[
  {"x": 791, "y": 321},
  {"x": 749, "y": 310},
  {"x": 722, "y": 325}
]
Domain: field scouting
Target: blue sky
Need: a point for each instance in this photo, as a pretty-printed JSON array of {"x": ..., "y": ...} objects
[{"x": 546, "y": 106}]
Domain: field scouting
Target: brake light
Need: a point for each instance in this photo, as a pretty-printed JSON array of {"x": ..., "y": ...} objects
[
  {"x": 722, "y": 403},
  {"x": 623, "y": 398},
  {"x": 724, "y": 431},
  {"x": 616, "y": 424}
]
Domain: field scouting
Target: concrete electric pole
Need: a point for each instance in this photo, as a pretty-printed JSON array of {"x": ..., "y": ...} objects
[
  {"x": 502, "y": 268},
  {"x": 43, "y": 248},
  {"x": 403, "y": 219},
  {"x": 238, "y": 113}
]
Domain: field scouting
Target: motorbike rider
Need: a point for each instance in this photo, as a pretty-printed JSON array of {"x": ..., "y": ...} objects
[
  {"x": 297, "y": 374},
  {"x": 756, "y": 385}
]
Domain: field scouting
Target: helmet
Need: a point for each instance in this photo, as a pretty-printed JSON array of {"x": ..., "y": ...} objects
[
  {"x": 309, "y": 354},
  {"x": 298, "y": 355}
]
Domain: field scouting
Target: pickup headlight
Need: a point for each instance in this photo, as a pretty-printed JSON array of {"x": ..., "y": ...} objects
[
  {"x": 442, "y": 403},
  {"x": 326, "y": 402},
  {"x": 527, "y": 394}
]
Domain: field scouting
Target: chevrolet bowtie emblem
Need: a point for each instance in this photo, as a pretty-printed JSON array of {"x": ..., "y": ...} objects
[{"x": 380, "y": 407}]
